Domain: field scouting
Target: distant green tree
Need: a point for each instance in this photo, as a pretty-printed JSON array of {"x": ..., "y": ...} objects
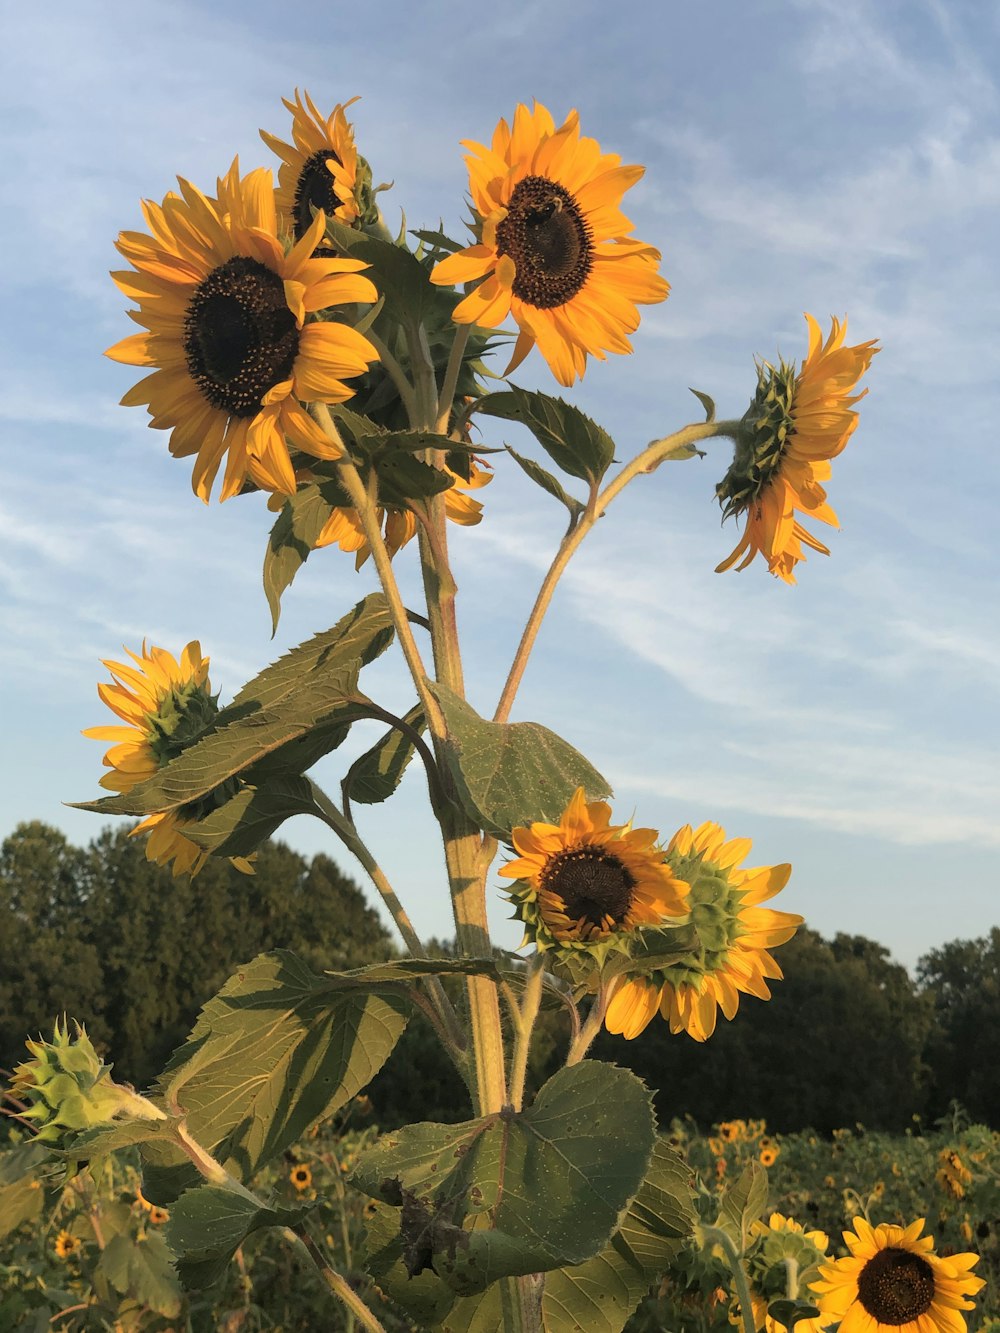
[
  {"x": 108, "y": 937},
  {"x": 962, "y": 980},
  {"x": 840, "y": 1041}
]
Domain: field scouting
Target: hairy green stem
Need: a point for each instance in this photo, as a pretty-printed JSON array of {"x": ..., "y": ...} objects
[
  {"x": 647, "y": 461},
  {"x": 589, "y": 1029},
  {"x": 337, "y": 1283},
  {"x": 524, "y": 1022},
  {"x": 447, "y": 395},
  {"x": 716, "y": 1236},
  {"x": 395, "y": 372}
]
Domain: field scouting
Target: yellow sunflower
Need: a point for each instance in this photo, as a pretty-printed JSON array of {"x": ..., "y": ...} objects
[
  {"x": 774, "y": 1242},
  {"x": 584, "y": 881},
  {"x": 343, "y": 527},
  {"x": 166, "y": 705},
  {"x": 893, "y": 1280},
  {"x": 553, "y": 246},
  {"x": 319, "y": 169},
  {"x": 300, "y": 1176},
  {"x": 768, "y": 1154},
  {"x": 232, "y": 352},
  {"x": 66, "y": 1245},
  {"x": 797, "y": 422},
  {"x": 734, "y": 931}
]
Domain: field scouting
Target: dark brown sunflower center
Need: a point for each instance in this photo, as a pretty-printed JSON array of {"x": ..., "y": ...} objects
[
  {"x": 896, "y": 1287},
  {"x": 549, "y": 240},
  {"x": 315, "y": 189},
  {"x": 592, "y": 883},
  {"x": 240, "y": 337}
]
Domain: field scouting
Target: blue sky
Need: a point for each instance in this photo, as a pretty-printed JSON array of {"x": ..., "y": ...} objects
[{"x": 831, "y": 157}]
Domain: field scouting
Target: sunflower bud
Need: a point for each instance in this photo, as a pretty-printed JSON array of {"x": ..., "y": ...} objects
[{"x": 68, "y": 1088}]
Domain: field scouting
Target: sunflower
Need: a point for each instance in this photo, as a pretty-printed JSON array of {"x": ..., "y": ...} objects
[
  {"x": 952, "y": 1173},
  {"x": 552, "y": 244},
  {"x": 893, "y": 1280},
  {"x": 166, "y": 705},
  {"x": 66, "y": 1245},
  {"x": 774, "y": 1242},
  {"x": 343, "y": 528},
  {"x": 768, "y": 1154},
  {"x": 232, "y": 353},
  {"x": 734, "y": 931},
  {"x": 319, "y": 169},
  {"x": 300, "y": 1176},
  {"x": 585, "y": 881},
  {"x": 797, "y": 422}
]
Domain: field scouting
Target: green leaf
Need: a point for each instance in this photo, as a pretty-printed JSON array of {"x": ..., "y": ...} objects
[
  {"x": 707, "y": 402},
  {"x": 403, "y": 478},
  {"x": 517, "y": 1193},
  {"x": 277, "y": 1049},
  {"x": 142, "y": 1268},
  {"x": 599, "y": 1295},
  {"x": 374, "y": 776},
  {"x": 422, "y": 1295},
  {"x": 21, "y": 1193},
  {"x": 570, "y": 438},
  {"x": 511, "y": 774},
  {"x": 208, "y": 1225},
  {"x": 438, "y": 240},
  {"x": 743, "y": 1204},
  {"x": 286, "y": 718},
  {"x": 547, "y": 482},
  {"x": 294, "y": 537},
  {"x": 788, "y": 1312},
  {"x": 92, "y": 1145},
  {"x": 241, "y": 824},
  {"x": 399, "y": 276}
]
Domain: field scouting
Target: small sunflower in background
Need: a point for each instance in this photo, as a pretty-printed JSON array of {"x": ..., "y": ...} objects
[
  {"x": 552, "y": 244},
  {"x": 585, "y": 881},
  {"x": 166, "y": 704},
  {"x": 319, "y": 169},
  {"x": 734, "y": 932},
  {"x": 67, "y": 1245},
  {"x": 231, "y": 349},
  {"x": 798, "y": 420},
  {"x": 768, "y": 1152},
  {"x": 893, "y": 1280},
  {"x": 300, "y": 1177}
]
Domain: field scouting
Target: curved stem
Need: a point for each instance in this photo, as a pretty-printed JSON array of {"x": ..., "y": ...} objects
[
  {"x": 419, "y": 744},
  {"x": 591, "y": 1026},
  {"x": 395, "y": 372},
  {"x": 647, "y": 461},
  {"x": 337, "y": 1283}
]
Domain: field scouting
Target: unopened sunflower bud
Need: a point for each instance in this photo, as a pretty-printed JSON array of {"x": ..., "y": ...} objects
[{"x": 68, "y": 1088}]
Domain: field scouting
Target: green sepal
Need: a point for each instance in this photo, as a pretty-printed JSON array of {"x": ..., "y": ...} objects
[
  {"x": 547, "y": 482},
  {"x": 207, "y": 1225},
  {"x": 707, "y": 402},
  {"x": 376, "y": 774},
  {"x": 517, "y": 1193},
  {"x": 599, "y": 1295},
  {"x": 278, "y": 1048},
  {"x": 511, "y": 774},
  {"x": 437, "y": 240},
  {"x": 294, "y": 537},
  {"x": 572, "y": 440}
]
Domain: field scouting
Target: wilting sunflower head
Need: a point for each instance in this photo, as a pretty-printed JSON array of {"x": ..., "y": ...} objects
[
  {"x": 583, "y": 884},
  {"x": 797, "y": 421},
  {"x": 232, "y": 342},
  {"x": 893, "y": 1280},
  {"x": 734, "y": 934},
  {"x": 320, "y": 169},
  {"x": 68, "y": 1088},
  {"x": 166, "y": 705},
  {"x": 552, "y": 244}
]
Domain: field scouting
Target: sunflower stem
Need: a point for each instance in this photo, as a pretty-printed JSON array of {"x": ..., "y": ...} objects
[
  {"x": 588, "y": 1030},
  {"x": 524, "y": 1023},
  {"x": 337, "y": 1283},
  {"x": 716, "y": 1236},
  {"x": 647, "y": 461},
  {"x": 447, "y": 395},
  {"x": 396, "y": 373}
]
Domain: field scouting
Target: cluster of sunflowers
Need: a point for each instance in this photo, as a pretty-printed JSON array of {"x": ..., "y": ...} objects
[{"x": 265, "y": 311}]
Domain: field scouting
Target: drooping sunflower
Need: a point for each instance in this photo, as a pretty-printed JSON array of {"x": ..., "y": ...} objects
[
  {"x": 166, "y": 704},
  {"x": 319, "y": 169},
  {"x": 774, "y": 1242},
  {"x": 798, "y": 420},
  {"x": 552, "y": 244},
  {"x": 734, "y": 932},
  {"x": 584, "y": 881},
  {"x": 66, "y": 1245},
  {"x": 232, "y": 352},
  {"x": 893, "y": 1280}
]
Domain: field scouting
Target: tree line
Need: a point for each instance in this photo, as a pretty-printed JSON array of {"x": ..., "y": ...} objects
[{"x": 850, "y": 1036}]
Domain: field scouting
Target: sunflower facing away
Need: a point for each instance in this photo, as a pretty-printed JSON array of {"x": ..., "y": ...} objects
[
  {"x": 893, "y": 1280},
  {"x": 553, "y": 246},
  {"x": 734, "y": 932},
  {"x": 232, "y": 352},
  {"x": 319, "y": 169},
  {"x": 775, "y": 1241},
  {"x": 797, "y": 422},
  {"x": 585, "y": 880},
  {"x": 165, "y": 705}
]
